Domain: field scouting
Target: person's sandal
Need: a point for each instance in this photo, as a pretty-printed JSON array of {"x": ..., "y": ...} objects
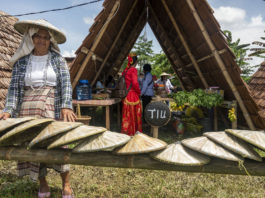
[
  {"x": 69, "y": 196},
  {"x": 44, "y": 195}
]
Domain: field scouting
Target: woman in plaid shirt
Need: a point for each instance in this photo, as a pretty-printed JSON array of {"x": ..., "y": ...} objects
[{"x": 40, "y": 87}]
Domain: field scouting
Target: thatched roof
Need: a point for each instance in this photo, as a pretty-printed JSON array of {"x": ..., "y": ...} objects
[
  {"x": 257, "y": 87},
  {"x": 187, "y": 32},
  {"x": 9, "y": 42}
]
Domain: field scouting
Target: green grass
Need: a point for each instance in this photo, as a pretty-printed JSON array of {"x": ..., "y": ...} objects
[{"x": 97, "y": 182}]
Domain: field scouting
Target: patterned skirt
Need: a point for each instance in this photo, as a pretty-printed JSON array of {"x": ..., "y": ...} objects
[
  {"x": 38, "y": 103},
  {"x": 131, "y": 117}
]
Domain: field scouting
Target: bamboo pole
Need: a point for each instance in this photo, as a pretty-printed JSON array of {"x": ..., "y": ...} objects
[
  {"x": 114, "y": 42},
  {"x": 157, "y": 22},
  {"x": 95, "y": 44},
  {"x": 207, "y": 57},
  {"x": 131, "y": 39},
  {"x": 143, "y": 161},
  {"x": 184, "y": 43},
  {"x": 221, "y": 64}
]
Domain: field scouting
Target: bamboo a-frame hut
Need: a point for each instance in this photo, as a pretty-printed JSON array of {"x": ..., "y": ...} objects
[
  {"x": 187, "y": 32},
  {"x": 9, "y": 42},
  {"x": 257, "y": 88}
]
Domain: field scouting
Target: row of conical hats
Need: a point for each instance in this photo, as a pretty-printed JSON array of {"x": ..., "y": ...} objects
[{"x": 229, "y": 145}]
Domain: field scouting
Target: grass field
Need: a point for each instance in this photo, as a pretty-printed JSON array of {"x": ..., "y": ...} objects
[{"x": 95, "y": 182}]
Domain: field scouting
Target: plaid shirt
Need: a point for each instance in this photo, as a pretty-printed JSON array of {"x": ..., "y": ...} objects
[{"x": 63, "y": 91}]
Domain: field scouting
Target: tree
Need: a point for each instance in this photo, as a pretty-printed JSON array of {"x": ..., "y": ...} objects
[
  {"x": 260, "y": 51},
  {"x": 240, "y": 51},
  {"x": 160, "y": 64},
  {"x": 144, "y": 51}
]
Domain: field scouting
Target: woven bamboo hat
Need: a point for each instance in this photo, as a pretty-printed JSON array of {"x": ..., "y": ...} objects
[
  {"x": 164, "y": 74},
  {"x": 22, "y": 27}
]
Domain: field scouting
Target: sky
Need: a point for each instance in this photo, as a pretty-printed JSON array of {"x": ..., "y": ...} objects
[{"x": 244, "y": 18}]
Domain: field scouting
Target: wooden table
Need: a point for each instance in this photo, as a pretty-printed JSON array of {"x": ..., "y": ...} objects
[{"x": 95, "y": 103}]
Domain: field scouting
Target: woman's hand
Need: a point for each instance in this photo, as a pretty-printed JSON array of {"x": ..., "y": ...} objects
[
  {"x": 4, "y": 115},
  {"x": 68, "y": 115}
]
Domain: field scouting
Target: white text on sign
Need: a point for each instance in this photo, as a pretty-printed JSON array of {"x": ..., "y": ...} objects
[{"x": 157, "y": 113}]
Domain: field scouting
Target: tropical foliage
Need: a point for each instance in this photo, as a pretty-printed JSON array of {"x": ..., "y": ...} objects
[{"x": 259, "y": 51}]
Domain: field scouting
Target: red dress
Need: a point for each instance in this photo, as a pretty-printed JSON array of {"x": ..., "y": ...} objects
[{"x": 131, "y": 109}]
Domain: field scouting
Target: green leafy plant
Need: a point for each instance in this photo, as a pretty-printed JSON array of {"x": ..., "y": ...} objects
[{"x": 197, "y": 98}]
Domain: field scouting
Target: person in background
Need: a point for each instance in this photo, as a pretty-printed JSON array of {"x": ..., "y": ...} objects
[
  {"x": 164, "y": 81},
  {"x": 131, "y": 109},
  {"x": 147, "y": 91},
  {"x": 110, "y": 82},
  {"x": 40, "y": 87}
]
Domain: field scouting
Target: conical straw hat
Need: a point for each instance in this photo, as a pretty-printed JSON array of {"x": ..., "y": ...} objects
[
  {"x": 141, "y": 143},
  {"x": 11, "y": 122},
  {"x": 24, "y": 132},
  {"x": 177, "y": 154},
  {"x": 77, "y": 134},
  {"x": 208, "y": 147},
  {"x": 257, "y": 138},
  {"x": 234, "y": 144},
  {"x": 164, "y": 74},
  {"x": 22, "y": 26},
  {"x": 52, "y": 130},
  {"x": 105, "y": 141}
]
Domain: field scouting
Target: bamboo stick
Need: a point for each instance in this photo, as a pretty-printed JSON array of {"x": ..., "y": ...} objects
[
  {"x": 193, "y": 60},
  {"x": 157, "y": 22},
  {"x": 207, "y": 57},
  {"x": 114, "y": 43},
  {"x": 221, "y": 65},
  {"x": 143, "y": 161},
  {"x": 128, "y": 44},
  {"x": 95, "y": 44}
]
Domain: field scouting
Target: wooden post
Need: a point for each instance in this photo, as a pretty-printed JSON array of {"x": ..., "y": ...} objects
[
  {"x": 78, "y": 110},
  {"x": 184, "y": 43},
  {"x": 95, "y": 44},
  {"x": 154, "y": 131},
  {"x": 114, "y": 42},
  {"x": 143, "y": 161},
  {"x": 119, "y": 114},
  {"x": 234, "y": 123},
  {"x": 215, "y": 119},
  {"x": 221, "y": 65},
  {"x": 107, "y": 118}
]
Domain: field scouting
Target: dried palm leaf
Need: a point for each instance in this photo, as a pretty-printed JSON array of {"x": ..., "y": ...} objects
[
  {"x": 105, "y": 141},
  {"x": 24, "y": 132},
  {"x": 141, "y": 143},
  {"x": 77, "y": 134},
  {"x": 208, "y": 147},
  {"x": 47, "y": 135},
  {"x": 179, "y": 155},
  {"x": 257, "y": 138},
  {"x": 234, "y": 144},
  {"x": 11, "y": 122}
]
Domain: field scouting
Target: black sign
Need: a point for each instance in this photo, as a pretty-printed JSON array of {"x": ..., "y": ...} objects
[{"x": 157, "y": 114}]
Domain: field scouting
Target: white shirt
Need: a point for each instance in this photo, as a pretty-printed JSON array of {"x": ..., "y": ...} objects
[
  {"x": 168, "y": 85},
  {"x": 35, "y": 77}
]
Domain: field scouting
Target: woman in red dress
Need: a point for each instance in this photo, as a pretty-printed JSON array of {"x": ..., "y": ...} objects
[{"x": 131, "y": 109}]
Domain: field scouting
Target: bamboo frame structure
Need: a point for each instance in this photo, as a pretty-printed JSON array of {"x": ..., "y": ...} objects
[
  {"x": 207, "y": 57},
  {"x": 132, "y": 38},
  {"x": 193, "y": 60},
  {"x": 179, "y": 60},
  {"x": 141, "y": 161},
  {"x": 221, "y": 64},
  {"x": 95, "y": 44},
  {"x": 114, "y": 43}
]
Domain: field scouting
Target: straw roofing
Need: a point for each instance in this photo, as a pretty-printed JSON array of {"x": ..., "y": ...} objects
[
  {"x": 9, "y": 42},
  {"x": 187, "y": 32},
  {"x": 257, "y": 88}
]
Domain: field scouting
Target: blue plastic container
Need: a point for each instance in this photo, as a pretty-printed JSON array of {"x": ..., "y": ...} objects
[{"x": 83, "y": 90}]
